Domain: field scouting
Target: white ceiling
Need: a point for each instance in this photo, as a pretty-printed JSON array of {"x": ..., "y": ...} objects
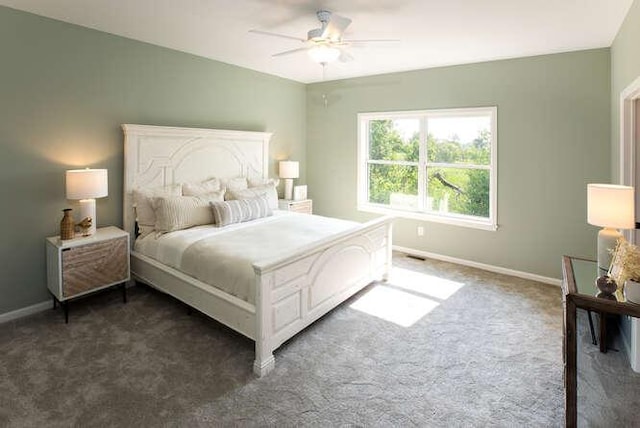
[{"x": 432, "y": 32}]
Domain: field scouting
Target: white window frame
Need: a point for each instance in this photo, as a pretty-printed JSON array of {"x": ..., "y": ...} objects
[{"x": 490, "y": 223}]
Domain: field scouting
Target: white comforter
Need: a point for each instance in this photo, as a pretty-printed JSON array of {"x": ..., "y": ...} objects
[{"x": 223, "y": 257}]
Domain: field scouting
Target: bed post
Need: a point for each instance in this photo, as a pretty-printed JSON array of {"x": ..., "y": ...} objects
[
  {"x": 389, "y": 250},
  {"x": 264, "y": 361}
]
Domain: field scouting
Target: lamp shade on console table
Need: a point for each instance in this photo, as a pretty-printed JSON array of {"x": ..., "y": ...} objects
[
  {"x": 87, "y": 185},
  {"x": 288, "y": 170},
  {"x": 611, "y": 207}
]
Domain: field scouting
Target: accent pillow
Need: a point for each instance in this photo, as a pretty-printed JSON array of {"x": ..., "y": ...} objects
[
  {"x": 241, "y": 210},
  {"x": 267, "y": 191},
  {"x": 181, "y": 212},
  {"x": 257, "y": 182},
  {"x": 142, "y": 199},
  {"x": 201, "y": 188},
  {"x": 238, "y": 183}
]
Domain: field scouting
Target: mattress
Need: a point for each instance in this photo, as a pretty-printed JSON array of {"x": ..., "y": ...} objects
[{"x": 224, "y": 257}]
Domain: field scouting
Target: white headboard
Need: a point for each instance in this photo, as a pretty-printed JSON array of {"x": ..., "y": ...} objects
[{"x": 157, "y": 156}]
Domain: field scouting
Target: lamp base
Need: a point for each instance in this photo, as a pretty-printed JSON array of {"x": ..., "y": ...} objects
[
  {"x": 607, "y": 241},
  {"x": 288, "y": 188},
  {"x": 88, "y": 209}
]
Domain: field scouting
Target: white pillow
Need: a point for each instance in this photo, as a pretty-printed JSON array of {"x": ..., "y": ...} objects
[
  {"x": 257, "y": 182},
  {"x": 267, "y": 191},
  {"x": 229, "y": 212},
  {"x": 142, "y": 198},
  {"x": 201, "y": 188},
  {"x": 182, "y": 212},
  {"x": 238, "y": 183}
]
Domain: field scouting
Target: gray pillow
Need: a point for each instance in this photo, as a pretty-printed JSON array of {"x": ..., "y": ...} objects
[{"x": 240, "y": 210}]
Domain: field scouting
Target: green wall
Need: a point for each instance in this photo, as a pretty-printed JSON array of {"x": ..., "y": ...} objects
[
  {"x": 625, "y": 68},
  {"x": 553, "y": 132},
  {"x": 65, "y": 90}
]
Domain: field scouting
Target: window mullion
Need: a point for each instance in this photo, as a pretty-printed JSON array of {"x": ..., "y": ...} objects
[{"x": 422, "y": 166}]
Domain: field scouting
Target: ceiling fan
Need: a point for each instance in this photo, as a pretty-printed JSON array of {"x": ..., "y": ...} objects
[{"x": 325, "y": 44}]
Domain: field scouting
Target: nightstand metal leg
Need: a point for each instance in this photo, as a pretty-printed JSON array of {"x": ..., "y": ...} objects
[
  {"x": 55, "y": 302},
  {"x": 124, "y": 292},
  {"x": 65, "y": 307}
]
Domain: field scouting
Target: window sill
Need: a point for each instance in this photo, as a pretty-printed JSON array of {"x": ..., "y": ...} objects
[{"x": 454, "y": 221}]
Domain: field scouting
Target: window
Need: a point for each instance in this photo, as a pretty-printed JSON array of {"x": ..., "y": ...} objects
[{"x": 434, "y": 165}]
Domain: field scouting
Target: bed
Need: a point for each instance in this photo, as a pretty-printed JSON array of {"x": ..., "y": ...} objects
[{"x": 289, "y": 290}]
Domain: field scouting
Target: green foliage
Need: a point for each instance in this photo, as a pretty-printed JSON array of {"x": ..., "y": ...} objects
[
  {"x": 387, "y": 179},
  {"x": 464, "y": 190},
  {"x": 387, "y": 144}
]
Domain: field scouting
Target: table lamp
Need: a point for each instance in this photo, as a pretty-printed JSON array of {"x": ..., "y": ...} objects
[
  {"x": 612, "y": 207},
  {"x": 86, "y": 185},
  {"x": 288, "y": 170}
]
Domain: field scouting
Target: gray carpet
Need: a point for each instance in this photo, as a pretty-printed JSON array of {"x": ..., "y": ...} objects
[{"x": 488, "y": 355}]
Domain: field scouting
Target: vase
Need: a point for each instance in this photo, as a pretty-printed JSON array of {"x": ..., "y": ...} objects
[
  {"x": 66, "y": 225},
  {"x": 632, "y": 291},
  {"x": 606, "y": 284}
]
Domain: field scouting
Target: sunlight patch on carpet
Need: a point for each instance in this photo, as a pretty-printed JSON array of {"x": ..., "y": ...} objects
[
  {"x": 427, "y": 285},
  {"x": 407, "y": 297}
]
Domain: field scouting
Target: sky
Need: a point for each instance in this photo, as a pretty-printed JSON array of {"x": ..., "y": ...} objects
[{"x": 466, "y": 128}]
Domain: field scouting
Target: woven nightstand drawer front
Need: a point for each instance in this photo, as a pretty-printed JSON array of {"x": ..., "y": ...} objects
[
  {"x": 89, "y": 266},
  {"x": 301, "y": 207}
]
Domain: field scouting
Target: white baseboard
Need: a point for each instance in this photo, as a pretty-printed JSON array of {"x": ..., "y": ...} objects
[
  {"x": 23, "y": 312},
  {"x": 483, "y": 266}
]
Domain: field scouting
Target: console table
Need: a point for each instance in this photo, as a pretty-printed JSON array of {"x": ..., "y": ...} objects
[{"x": 579, "y": 291}]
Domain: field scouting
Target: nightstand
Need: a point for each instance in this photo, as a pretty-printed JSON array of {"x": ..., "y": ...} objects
[
  {"x": 82, "y": 265},
  {"x": 304, "y": 206}
]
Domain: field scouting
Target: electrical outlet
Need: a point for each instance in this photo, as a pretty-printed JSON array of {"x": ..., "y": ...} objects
[{"x": 420, "y": 230}]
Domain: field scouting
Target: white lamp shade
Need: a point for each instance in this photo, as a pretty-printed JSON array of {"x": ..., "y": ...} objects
[
  {"x": 289, "y": 169},
  {"x": 87, "y": 183},
  {"x": 323, "y": 54},
  {"x": 611, "y": 205}
]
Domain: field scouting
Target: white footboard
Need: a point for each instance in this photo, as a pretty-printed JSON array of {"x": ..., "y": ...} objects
[{"x": 294, "y": 291}]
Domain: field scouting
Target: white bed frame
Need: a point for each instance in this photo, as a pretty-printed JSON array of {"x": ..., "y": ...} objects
[{"x": 291, "y": 292}]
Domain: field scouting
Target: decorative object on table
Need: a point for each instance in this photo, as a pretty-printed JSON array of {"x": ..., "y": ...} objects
[
  {"x": 85, "y": 225},
  {"x": 607, "y": 296},
  {"x": 625, "y": 268},
  {"x": 606, "y": 284},
  {"x": 300, "y": 193},
  {"x": 611, "y": 207},
  {"x": 86, "y": 185},
  {"x": 288, "y": 170},
  {"x": 67, "y": 229}
]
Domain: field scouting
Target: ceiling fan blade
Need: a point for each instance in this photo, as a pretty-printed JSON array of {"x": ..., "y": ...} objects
[
  {"x": 289, "y": 52},
  {"x": 335, "y": 27},
  {"x": 372, "y": 41},
  {"x": 282, "y": 36}
]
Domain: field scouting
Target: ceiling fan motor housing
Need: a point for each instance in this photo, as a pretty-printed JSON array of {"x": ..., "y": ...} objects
[
  {"x": 323, "y": 16},
  {"x": 315, "y": 34}
]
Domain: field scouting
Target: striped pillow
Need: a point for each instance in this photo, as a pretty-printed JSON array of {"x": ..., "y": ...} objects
[
  {"x": 182, "y": 212},
  {"x": 240, "y": 210},
  {"x": 268, "y": 191}
]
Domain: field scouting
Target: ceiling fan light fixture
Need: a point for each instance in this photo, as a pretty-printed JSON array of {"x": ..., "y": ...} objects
[{"x": 323, "y": 54}]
